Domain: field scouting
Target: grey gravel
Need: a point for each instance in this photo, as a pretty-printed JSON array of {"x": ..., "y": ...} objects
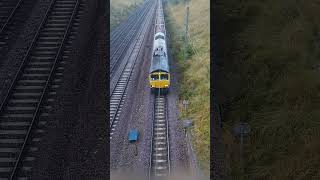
[
  {"x": 137, "y": 113},
  {"x": 10, "y": 64}
]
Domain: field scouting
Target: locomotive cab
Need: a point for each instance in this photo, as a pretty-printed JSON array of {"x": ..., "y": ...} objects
[{"x": 159, "y": 79}]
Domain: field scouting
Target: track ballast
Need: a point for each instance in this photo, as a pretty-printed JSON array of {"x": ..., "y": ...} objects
[
  {"x": 13, "y": 14},
  {"x": 24, "y": 112},
  {"x": 119, "y": 92},
  {"x": 160, "y": 148},
  {"x": 121, "y": 38}
]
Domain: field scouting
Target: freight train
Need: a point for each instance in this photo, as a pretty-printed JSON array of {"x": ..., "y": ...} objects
[{"x": 159, "y": 74}]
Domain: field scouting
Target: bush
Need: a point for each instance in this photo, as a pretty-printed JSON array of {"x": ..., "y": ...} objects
[{"x": 269, "y": 78}]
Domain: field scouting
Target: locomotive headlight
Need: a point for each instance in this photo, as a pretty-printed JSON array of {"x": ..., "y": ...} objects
[{"x": 165, "y": 85}]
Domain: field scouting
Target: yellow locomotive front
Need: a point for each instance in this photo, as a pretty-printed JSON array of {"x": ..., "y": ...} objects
[{"x": 160, "y": 80}]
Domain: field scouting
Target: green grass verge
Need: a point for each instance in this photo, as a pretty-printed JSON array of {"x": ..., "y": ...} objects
[{"x": 194, "y": 73}]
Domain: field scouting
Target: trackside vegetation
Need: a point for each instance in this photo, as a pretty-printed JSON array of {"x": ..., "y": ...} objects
[
  {"x": 268, "y": 75},
  {"x": 194, "y": 72},
  {"x": 120, "y": 10}
]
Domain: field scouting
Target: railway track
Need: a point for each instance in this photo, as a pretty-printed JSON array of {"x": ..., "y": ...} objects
[
  {"x": 160, "y": 149},
  {"x": 118, "y": 31},
  {"x": 118, "y": 94},
  {"x": 13, "y": 14},
  {"x": 7, "y": 10},
  {"x": 123, "y": 37},
  {"x": 24, "y": 112}
]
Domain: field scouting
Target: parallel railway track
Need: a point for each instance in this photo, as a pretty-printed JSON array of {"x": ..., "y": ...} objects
[
  {"x": 118, "y": 94},
  {"x": 159, "y": 165},
  {"x": 7, "y": 10},
  {"x": 13, "y": 14},
  {"x": 119, "y": 30},
  {"x": 24, "y": 112},
  {"x": 121, "y": 39}
]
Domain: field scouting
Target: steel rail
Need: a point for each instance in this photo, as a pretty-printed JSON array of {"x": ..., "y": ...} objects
[
  {"x": 156, "y": 108},
  {"x": 147, "y": 21},
  {"x": 125, "y": 25},
  {"x": 151, "y": 144},
  {"x": 4, "y": 102},
  {"x": 133, "y": 47},
  {"x": 119, "y": 29},
  {"x": 160, "y": 105},
  {"x": 128, "y": 38},
  {"x": 10, "y": 16},
  {"x": 168, "y": 136},
  {"x": 35, "y": 116}
]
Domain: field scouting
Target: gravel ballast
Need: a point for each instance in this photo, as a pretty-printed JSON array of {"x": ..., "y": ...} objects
[{"x": 76, "y": 143}]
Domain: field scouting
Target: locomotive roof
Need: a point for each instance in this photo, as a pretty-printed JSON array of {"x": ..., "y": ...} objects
[{"x": 159, "y": 63}]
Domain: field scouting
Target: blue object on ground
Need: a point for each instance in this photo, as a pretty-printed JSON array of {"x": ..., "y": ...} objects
[{"x": 133, "y": 135}]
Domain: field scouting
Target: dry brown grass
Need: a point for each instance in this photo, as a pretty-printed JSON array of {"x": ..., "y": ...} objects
[{"x": 195, "y": 72}]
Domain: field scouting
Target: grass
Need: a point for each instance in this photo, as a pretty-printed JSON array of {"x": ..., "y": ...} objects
[
  {"x": 194, "y": 73},
  {"x": 120, "y": 10},
  {"x": 270, "y": 79}
]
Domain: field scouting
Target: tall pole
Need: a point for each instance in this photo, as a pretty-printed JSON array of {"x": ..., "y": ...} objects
[{"x": 186, "y": 29}]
